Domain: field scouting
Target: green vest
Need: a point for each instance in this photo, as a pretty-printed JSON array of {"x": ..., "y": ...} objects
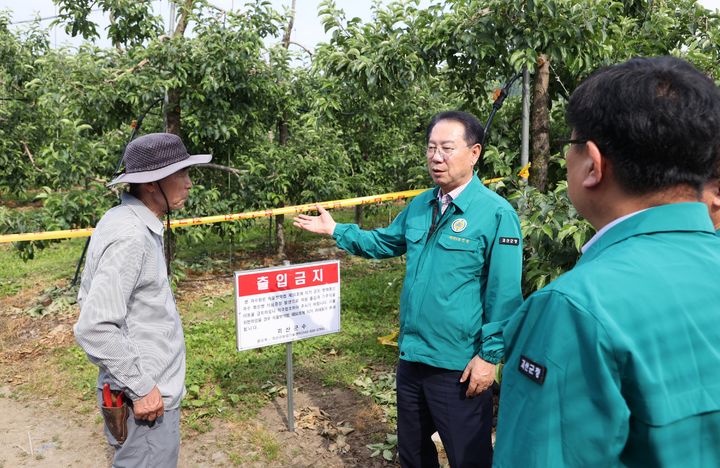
[
  {"x": 617, "y": 363},
  {"x": 462, "y": 282}
]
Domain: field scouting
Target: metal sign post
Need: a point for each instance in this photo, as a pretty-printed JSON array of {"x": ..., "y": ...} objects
[
  {"x": 289, "y": 373},
  {"x": 289, "y": 368}
]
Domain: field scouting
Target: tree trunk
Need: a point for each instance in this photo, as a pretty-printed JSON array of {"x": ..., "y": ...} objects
[
  {"x": 172, "y": 111},
  {"x": 283, "y": 137},
  {"x": 283, "y": 132},
  {"x": 359, "y": 214},
  {"x": 173, "y": 96},
  {"x": 280, "y": 237},
  {"x": 114, "y": 41},
  {"x": 540, "y": 125},
  {"x": 184, "y": 18}
]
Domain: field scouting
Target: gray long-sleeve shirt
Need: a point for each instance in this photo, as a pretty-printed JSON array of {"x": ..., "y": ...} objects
[{"x": 129, "y": 325}]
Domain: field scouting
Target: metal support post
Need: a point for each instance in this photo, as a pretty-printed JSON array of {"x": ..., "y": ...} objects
[
  {"x": 289, "y": 366},
  {"x": 290, "y": 377},
  {"x": 525, "y": 145}
]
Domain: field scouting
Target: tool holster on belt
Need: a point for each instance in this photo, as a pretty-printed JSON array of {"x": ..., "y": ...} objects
[{"x": 116, "y": 421}]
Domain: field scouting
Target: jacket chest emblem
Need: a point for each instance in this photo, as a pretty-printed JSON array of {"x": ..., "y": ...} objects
[{"x": 459, "y": 225}]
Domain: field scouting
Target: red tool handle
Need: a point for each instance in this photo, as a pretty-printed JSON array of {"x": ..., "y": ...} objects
[
  {"x": 119, "y": 399},
  {"x": 107, "y": 396}
]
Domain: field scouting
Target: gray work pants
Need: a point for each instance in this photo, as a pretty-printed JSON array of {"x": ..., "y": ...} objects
[{"x": 151, "y": 446}]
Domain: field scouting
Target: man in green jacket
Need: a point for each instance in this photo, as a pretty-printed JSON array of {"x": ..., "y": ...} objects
[
  {"x": 616, "y": 363},
  {"x": 464, "y": 257}
]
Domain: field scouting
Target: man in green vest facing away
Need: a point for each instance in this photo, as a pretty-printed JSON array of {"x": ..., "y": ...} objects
[{"x": 617, "y": 362}]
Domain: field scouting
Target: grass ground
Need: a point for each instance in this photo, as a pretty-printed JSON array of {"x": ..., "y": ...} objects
[{"x": 223, "y": 385}]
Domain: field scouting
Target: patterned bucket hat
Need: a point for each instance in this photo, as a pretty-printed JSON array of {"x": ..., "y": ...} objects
[{"x": 155, "y": 156}]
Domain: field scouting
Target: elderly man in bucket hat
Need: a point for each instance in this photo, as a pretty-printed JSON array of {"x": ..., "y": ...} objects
[{"x": 129, "y": 325}]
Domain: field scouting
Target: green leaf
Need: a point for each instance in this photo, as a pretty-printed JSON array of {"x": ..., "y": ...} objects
[
  {"x": 547, "y": 230},
  {"x": 566, "y": 231},
  {"x": 579, "y": 240}
]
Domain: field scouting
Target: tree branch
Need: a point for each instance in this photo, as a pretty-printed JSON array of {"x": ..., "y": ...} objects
[
  {"x": 309, "y": 52},
  {"x": 220, "y": 167},
  {"x": 288, "y": 30},
  {"x": 132, "y": 69},
  {"x": 30, "y": 156},
  {"x": 184, "y": 18}
]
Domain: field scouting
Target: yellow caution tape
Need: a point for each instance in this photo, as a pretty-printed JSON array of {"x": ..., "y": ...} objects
[
  {"x": 492, "y": 181},
  {"x": 47, "y": 235},
  {"x": 348, "y": 202},
  {"x": 389, "y": 340},
  {"x": 525, "y": 171},
  {"x": 85, "y": 232}
]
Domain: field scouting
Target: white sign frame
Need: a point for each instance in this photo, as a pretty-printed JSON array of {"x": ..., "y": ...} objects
[{"x": 310, "y": 308}]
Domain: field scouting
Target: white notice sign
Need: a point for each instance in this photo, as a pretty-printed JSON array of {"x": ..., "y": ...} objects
[{"x": 288, "y": 303}]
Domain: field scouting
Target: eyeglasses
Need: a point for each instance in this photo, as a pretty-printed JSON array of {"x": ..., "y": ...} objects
[
  {"x": 565, "y": 143},
  {"x": 573, "y": 141},
  {"x": 445, "y": 152}
]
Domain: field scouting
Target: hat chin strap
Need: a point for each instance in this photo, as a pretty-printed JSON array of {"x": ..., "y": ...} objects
[{"x": 168, "y": 231}]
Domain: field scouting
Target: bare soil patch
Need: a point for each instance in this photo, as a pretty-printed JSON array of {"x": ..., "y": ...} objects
[
  {"x": 45, "y": 427},
  {"x": 332, "y": 429},
  {"x": 16, "y": 303},
  {"x": 344, "y": 422},
  {"x": 34, "y": 433}
]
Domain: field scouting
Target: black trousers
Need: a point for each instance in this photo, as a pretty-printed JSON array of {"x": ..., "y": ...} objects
[{"x": 431, "y": 399}]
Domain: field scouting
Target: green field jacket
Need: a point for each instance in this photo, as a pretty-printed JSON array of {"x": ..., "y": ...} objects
[
  {"x": 617, "y": 363},
  {"x": 462, "y": 283}
]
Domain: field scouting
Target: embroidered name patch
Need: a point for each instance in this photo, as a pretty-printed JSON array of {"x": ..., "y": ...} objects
[
  {"x": 459, "y": 239},
  {"x": 509, "y": 241},
  {"x": 534, "y": 371}
]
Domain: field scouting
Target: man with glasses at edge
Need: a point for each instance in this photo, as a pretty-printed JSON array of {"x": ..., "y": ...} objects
[
  {"x": 616, "y": 362},
  {"x": 711, "y": 196},
  {"x": 464, "y": 258}
]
